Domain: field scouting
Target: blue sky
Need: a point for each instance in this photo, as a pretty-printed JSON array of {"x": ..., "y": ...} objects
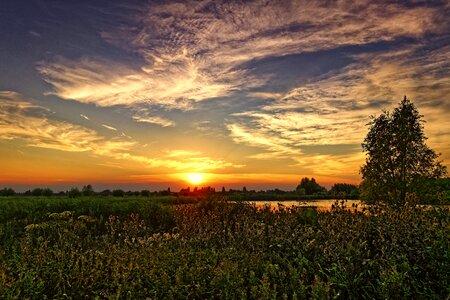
[{"x": 259, "y": 93}]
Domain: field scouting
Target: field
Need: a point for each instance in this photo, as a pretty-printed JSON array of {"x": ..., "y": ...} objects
[{"x": 178, "y": 248}]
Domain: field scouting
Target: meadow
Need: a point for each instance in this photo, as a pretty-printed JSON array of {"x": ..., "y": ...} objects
[{"x": 186, "y": 248}]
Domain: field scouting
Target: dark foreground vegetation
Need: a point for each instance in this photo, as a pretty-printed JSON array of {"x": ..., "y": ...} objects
[{"x": 157, "y": 248}]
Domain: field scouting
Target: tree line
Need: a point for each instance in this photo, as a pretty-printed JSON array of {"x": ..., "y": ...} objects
[{"x": 399, "y": 168}]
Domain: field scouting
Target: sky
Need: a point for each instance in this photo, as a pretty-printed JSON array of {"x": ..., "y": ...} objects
[{"x": 142, "y": 94}]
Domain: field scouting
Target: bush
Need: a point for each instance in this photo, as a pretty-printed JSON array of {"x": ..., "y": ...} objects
[
  {"x": 140, "y": 248},
  {"x": 145, "y": 193},
  {"x": 118, "y": 193},
  {"x": 37, "y": 192},
  {"x": 47, "y": 192},
  {"x": 74, "y": 193},
  {"x": 7, "y": 192}
]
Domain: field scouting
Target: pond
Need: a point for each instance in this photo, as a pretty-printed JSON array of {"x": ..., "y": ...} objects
[{"x": 320, "y": 205}]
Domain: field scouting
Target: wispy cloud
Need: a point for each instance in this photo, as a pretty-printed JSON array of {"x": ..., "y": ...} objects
[
  {"x": 109, "y": 127},
  {"x": 334, "y": 109},
  {"x": 182, "y": 153},
  {"x": 196, "y": 50},
  {"x": 34, "y": 33},
  {"x": 84, "y": 117},
  {"x": 143, "y": 116},
  {"x": 20, "y": 119}
]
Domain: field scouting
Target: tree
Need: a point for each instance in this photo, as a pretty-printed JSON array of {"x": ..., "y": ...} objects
[
  {"x": 73, "y": 193},
  {"x": 37, "y": 192},
  {"x": 47, "y": 192},
  {"x": 398, "y": 161},
  {"x": 118, "y": 193},
  {"x": 7, "y": 192},
  {"x": 310, "y": 187},
  {"x": 145, "y": 193},
  {"x": 87, "y": 190},
  {"x": 347, "y": 189},
  {"x": 105, "y": 193}
]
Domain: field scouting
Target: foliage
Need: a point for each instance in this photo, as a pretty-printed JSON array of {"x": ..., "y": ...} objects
[
  {"x": 344, "y": 189},
  {"x": 105, "y": 193},
  {"x": 146, "y": 249},
  {"x": 118, "y": 193},
  {"x": 74, "y": 192},
  {"x": 6, "y": 192},
  {"x": 145, "y": 193},
  {"x": 87, "y": 190},
  {"x": 36, "y": 192},
  {"x": 47, "y": 192},
  {"x": 310, "y": 187},
  {"x": 398, "y": 160}
]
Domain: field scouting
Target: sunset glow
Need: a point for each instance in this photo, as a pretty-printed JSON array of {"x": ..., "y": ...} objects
[
  {"x": 250, "y": 94},
  {"x": 195, "y": 178}
]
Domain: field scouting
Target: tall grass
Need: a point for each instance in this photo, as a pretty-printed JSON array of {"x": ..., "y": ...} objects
[{"x": 214, "y": 249}]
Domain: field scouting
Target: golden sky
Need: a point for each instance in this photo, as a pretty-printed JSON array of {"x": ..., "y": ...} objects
[{"x": 254, "y": 93}]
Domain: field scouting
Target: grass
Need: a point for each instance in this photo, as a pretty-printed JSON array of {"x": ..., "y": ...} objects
[{"x": 141, "y": 248}]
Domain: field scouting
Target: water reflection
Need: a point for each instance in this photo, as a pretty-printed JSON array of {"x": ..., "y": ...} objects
[{"x": 320, "y": 205}]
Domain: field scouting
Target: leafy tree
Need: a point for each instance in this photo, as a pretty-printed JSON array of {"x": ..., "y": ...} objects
[
  {"x": 7, "y": 192},
  {"x": 347, "y": 189},
  {"x": 310, "y": 187},
  {"x": 398, "y": 161},
  {"x": 87, "y": 190},
  {"x": 37, "y": 192},
  {"x": 47, "y": 192},
  {"x": 118, "y": 193},
  {"x": 74, "y": 192},
  {"x": 145, "y": 193},
  {"x": 300, "y": 191},
  {"x": 105, "y": 193}
]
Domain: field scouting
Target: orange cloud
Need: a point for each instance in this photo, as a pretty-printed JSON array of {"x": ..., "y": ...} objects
[{"x": 195, "y": 50}]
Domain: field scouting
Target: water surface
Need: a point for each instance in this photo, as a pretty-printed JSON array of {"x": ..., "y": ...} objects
[{"x": 321, "y": 205}]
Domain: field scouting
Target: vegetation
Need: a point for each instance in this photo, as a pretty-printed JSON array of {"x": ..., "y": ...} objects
[
  {"x": 344, "y": 190},
  {"x": 398, "y": 160},
  {"x": 154, "y": 247},
  {"x": 6, "y": 192},
  {"x": 310, "y": 187}
]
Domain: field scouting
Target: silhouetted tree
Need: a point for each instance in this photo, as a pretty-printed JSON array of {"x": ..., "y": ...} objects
[
  {"x": 6, "y": 192},
  {"x": 347, "y": 189},
  {"x": 87, "y": 190},
  {"x": 36, "y": 192},
  {"x": 145, "y": 193},
  {"x": 105, "y": 193},
  {"x": 47, "y": 192},
  {"x": 73, "y": 193},
  {"x": 300, "y": 191},
  {"x": 310, "y": 187},
  {"x": 397, "y": 159},
  {"x": 118, "y": 193}
]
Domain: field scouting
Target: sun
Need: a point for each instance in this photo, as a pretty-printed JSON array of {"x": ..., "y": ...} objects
[{"x": 195, "y": 178}]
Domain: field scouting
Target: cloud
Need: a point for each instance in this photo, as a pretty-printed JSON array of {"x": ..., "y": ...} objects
[
  {"x": 84, "y": 117},
  {"x": 181, "y": 164},
  {"x": 34, "y": 33},
  {"x": 182, "y": 153},
  {"x": 109, "y": 127},
  {"x": 334, "y": 108},
  {"x": 196, "y": 50},
  {"x": 20, "y": 119},
  {"x": 144, "y": 117}
]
